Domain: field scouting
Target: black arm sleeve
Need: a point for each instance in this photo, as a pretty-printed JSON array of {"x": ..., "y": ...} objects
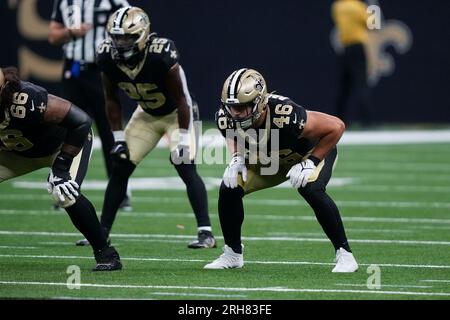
[
  {"x": 78, "y": 124},
  {"x": 56, "y": 14}
]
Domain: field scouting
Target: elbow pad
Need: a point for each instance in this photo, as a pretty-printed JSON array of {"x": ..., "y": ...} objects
[{"x": 78, "y": 125}]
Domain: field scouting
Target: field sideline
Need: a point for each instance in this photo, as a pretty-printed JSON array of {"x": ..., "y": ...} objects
[{"x": 394, "y": 199}]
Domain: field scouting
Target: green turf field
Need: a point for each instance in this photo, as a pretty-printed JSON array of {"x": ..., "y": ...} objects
[{"x": 395, "y": 202}]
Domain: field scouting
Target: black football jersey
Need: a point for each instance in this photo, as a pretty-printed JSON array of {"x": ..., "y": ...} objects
[
  {"x": 145, "y": 85},
  {"x": 23, "y": 131},
  {"x": 285, "y": 116}
]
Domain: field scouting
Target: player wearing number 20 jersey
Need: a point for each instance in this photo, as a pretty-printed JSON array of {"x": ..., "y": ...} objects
[{"x": 147, "y": 69}]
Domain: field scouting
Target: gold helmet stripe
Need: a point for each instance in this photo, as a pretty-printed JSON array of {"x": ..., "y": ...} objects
[{"x": 234, "y": 83}]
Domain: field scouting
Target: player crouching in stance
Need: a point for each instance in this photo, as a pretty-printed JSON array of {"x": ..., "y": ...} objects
[
  {"x": 306, "y": 155},
  {"x": 40, "y": 130},
  {"x": 146, "y": 68}
]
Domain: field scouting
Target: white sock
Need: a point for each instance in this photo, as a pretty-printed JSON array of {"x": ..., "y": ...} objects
[{"x": 205, "y": 228}]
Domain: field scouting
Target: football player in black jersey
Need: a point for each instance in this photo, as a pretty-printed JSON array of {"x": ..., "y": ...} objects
[
  {"x": 306, "y": 155},
  {"x": 146, "y": 68},
  {"x": 40, "y": 130}
]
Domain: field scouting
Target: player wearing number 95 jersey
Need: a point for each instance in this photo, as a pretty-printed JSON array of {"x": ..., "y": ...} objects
[
  {"x": 146, "y": 68},
  {"x": 306, "y": 153},
  {"x": 40, "y": 130}
]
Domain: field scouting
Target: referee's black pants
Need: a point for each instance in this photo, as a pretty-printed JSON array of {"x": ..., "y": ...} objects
[
  {"x": 352, "y": 83},
  {"x": 85, "y": 90}
]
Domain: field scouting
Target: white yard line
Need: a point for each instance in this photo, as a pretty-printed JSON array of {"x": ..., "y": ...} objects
[
  {"x": 157, "y": 240},
  {"x": 382, "y": 285},
  {"x": 157, "y": 293},
  {"x": 347, "y": 186},
  {"x": 56, "y": 243},
  {"x": 320, "y": 234},
  {"x": 429, "y": 227},
  {"x": 198, "y": 295},
  {"x": 275, "y": 202},
  {"x": 150, "y": 259},
  {"x": 213, "y": 138},
  {"x": 228, "y": 289},
  {"x": 374, "y": 230},
  {"x": 264, "y": 202},
  {"x": 394, "y": 188},
  {"x": 247, "y": 238},
  {"x": 96, "y": 298},
  {"x": 437, "y": 281},
  {"x": 347, "y": 203},
  {"x": 17, "y": 247},
  {"x": 281, "y": 217}
]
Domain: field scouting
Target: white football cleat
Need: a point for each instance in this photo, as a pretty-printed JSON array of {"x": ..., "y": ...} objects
[
  {"x": 227, "y": 260},
  {"x": 345, "y": 262}
]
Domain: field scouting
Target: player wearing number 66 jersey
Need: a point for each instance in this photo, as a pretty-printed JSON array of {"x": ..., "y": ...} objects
[
  {"x": 305, "y": 150},
  {"x": 146, "y": 68},
  {"x": 40, "y": 130}
]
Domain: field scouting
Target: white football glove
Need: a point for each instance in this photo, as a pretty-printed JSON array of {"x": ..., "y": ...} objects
[
  {"x": 236, "y": 166},
  {"x": 64, "y": 190},
  {"x": 300, "y": 173}
]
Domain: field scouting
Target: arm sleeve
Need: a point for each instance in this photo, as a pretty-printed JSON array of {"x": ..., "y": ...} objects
[
  {"x": 56, "y": 14},
  {"x": 78, "y": 125}
]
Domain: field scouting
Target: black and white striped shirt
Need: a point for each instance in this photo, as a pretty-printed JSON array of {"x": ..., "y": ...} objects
[{"x": 72, "y": 13}]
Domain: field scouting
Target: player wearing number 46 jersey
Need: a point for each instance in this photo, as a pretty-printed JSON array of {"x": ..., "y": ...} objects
[
  {"x": 306, "y": 154},
  {"x": 39, "y": 130},
  {"x": 146, "y": 68}
]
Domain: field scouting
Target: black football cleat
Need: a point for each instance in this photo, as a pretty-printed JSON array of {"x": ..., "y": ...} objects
[
  {"x": 205, "y": 239},
  {"x": 107, "y": 260}
]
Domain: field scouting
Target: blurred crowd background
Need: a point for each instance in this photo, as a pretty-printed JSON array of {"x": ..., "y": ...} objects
[{"x": 294, "y": 43}]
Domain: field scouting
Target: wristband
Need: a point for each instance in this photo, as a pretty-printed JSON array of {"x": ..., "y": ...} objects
[
  {"x": 315, "y": 160},
  {"x": 63, "y": 162}
]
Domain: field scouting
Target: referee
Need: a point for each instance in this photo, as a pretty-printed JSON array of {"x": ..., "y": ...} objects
[{"x": 80, "y": 26}]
